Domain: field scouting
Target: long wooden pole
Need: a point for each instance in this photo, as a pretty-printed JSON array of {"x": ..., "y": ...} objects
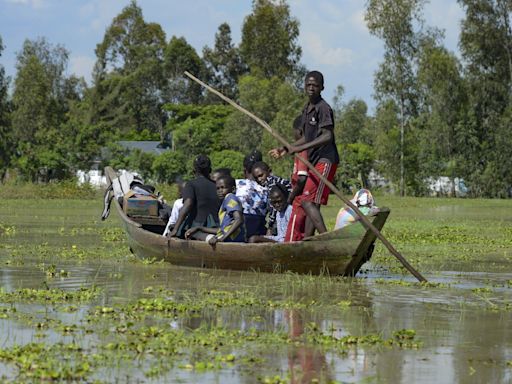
[{"x": 311, "y": 167}]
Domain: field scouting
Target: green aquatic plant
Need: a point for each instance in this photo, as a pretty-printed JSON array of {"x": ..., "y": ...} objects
[
  {"x": 57, "y": 363},
  {"x": 50, "y": 296},
  {"x": 7, "y": 230}
]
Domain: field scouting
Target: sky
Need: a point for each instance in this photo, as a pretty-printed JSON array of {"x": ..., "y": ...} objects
[{"x": 333, "y": 35}]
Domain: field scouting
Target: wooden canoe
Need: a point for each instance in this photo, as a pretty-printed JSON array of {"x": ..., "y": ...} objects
[{"x": 340, "y": 252}]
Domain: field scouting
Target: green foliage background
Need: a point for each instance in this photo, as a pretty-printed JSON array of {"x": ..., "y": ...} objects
[{"x": 436, "y": 115}]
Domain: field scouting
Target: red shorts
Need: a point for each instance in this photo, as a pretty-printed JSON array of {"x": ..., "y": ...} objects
[
  {"x": 315, "y": 189},
  {"x": 297, "y": 222}
]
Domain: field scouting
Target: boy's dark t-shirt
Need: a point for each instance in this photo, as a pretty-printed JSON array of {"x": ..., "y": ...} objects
[
  {"x": 203, "y": 193},
  {"x": 314, "y": 117}
]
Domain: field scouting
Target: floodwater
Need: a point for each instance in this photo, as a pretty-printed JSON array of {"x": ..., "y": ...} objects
[{"x": 461, "y": 324}]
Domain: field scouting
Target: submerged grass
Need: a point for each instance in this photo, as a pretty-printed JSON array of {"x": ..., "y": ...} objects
[
  {"x": 147, "y": 321},
  {"x": 140, "y": 331}
]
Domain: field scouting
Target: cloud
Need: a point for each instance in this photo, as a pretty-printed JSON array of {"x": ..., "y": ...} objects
[
  {"x": 321, "y": 54},
  {"x": 446, "y": 16},
  {"x": 36, "y": 4},
  {"x": 358, "y": 21},
  {"x": 82, "y": 66}
]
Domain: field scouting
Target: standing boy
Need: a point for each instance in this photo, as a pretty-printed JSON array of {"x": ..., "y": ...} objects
[{"x": 318, "y": 139}]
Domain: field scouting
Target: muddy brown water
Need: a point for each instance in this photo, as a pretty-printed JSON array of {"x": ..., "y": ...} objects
[{"x": 464, "y": 325}]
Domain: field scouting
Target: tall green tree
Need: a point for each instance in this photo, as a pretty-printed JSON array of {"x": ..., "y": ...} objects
[
  {"x": 5, "y": 124},
  {"x": 269, "y": 43},
  {"x": 354, "y": 141},
  {"x": 180, "y": 56},
  {"x": 197, "y": 129},
  {"x": 486, "y": 47},
  {"x": 224, "y": 63},
  {"x": 399, "y": 24},
  {"x": 275, "y": 101},
  {"x": 352, "y": 122},
  {"x": 128, "y": 76},
  {"x": 441, "y": 121},
  {"x": 83, "y": 136},
  {"x": 39, "y": 109}
]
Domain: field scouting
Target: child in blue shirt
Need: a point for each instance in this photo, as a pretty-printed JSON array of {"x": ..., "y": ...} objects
[
  {"x": 278, "y": 197},
  {"x": 231, "y": 217}
]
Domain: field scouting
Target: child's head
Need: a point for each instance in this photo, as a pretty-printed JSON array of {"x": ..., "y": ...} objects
[
  {"x": 250, "y": 160},
  {"x": 314, "y": 84},
  {"x": 260, "y": 172},
  {"x": 278, "y": 196},
  {"x": 181, "y": 185},
  {"x": 220, "y": 172},
  {"x": 297, "y": 127},
  {"x": 225, "y": 184}
]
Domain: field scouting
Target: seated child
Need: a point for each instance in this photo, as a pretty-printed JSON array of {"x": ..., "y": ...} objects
[
  {"x": 178, "y": 203},
  {"x": 253, "y": 197},
  {"x": 231, "y": 217},
  {"x": 263, "y": 175},
  {"x": 220, "y": 172},
  {"x": 278, "y": 197},
  {"x": 363, "y": 200}
]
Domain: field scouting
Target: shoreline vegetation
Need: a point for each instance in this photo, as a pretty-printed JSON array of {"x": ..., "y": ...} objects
[{"x": 66, "y": 189}]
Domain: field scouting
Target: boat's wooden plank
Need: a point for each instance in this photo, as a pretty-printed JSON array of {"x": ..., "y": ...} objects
[
  {"x": 365, "y": 248},
  {"x": 148, "y": 220}
]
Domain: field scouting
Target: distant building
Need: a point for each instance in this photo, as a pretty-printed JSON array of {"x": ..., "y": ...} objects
[
  {"x": 446, "y": 186},
  {"x": 95, "y": 176},
  {"x": 377, "y": 181},
  {"x": 153, "y": 147}
]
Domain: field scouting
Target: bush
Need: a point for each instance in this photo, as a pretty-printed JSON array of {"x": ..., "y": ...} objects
[
  {"x": 229, "y": 159},
  {"x": 168, "y": 166}
]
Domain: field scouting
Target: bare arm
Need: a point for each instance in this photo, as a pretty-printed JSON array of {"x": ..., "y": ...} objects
[
  {"x": 239, "y": 219},
  {"x": 299, "y": 187},
  {"x": 193, "y": 230},
  {"x": 279, "y": 152}
]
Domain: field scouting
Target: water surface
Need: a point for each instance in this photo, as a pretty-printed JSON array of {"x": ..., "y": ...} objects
[{"x": 457, "y": 329}]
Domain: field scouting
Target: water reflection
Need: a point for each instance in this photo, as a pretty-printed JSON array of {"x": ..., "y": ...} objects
[
  {"x": 465, "y": 327},
  {"x": 463, "y": 339},
  {"x": 305, "y": 363}
]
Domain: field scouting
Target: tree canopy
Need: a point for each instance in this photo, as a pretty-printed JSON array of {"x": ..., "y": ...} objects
[{"x": 436, "y": 115}]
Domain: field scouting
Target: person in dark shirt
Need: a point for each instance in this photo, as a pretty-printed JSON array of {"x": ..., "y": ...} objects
[
  {"x": 200, "y": 201},
  {"x": 318, "y": 139}
]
